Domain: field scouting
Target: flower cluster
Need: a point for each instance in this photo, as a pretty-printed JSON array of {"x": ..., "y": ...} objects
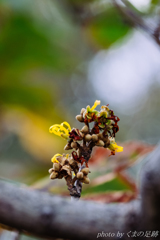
[
  {"x": 63, "y": 165},
  {"x": 102, "y": 134}
]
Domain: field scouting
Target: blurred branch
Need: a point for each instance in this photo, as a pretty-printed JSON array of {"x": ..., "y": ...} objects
[
  {"x": 51, "y": 216},
  {"x": 44, "y": 215},
  {"x": 156, "y": 33},
  {"x": 85, "y": 12},
  {"x": 136, "y": 20},
  {"x": 150, "y": 191}
]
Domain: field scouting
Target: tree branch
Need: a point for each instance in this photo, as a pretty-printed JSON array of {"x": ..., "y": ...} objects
[
  {"x": 50, "y": 216},
  {"x": 150, "y": 191},
  {"x": 45, "y": 215},
  {"x": 137, "y": 21}
]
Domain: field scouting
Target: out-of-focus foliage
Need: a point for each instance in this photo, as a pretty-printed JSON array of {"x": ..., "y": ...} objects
[
  {"x": 155, "y": 2},
  {"x": 106, "y": 28},
  {"x": 37, "y": 58}
]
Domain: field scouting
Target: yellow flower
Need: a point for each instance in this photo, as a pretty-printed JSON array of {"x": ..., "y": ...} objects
[
  {"x": 90, "y": 112},
  {"x": 54, "y": 158},
  {"x": 61, "y": 130},
  {"x": 96, "y": 103},
  {"x": 114, "y": 147}
]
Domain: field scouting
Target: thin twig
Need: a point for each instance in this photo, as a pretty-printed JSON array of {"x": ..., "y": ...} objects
[{"x": 137, "y": 21}]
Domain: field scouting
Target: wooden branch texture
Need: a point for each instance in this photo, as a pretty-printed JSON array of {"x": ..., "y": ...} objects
[{"x": 50, "y": 216}]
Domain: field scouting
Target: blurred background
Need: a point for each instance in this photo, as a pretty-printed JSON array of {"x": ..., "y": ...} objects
[{"x": 57, "y": 56}]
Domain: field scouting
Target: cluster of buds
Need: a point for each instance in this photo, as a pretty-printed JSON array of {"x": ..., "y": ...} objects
[
  {"x": 82, "y": 141},
  {"x": 103, "y": 119},
  {"x": 83, "y": 175},
  {"x": 63, "y": 166}
]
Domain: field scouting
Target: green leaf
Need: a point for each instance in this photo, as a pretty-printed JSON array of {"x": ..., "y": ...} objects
[
  {"x": 155, "y": 2},
  {"x": 35, "y": 98},
  {"x": 26, "y": 44},
  {"x": 107, "y": 28}
]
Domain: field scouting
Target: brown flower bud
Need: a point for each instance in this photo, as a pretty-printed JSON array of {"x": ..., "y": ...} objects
[
  {"x": 100, "y": 143},
  {"x": 60, "y": 159},
  {"x": 106, "y": 142},
  {"x": 83, "y": 110},
  {"x": 53, "y": 175},
  {"x": 56, "y": 167},
  {"x": 85, "y": 129},
  {"x": 79, "y": 175},
  {"x": 100, "y": 136},
  {"x": 80, "y": 118},
  {"x": 94, "y": 137},
  {"x": 88, "y": 137},
  {"x": 85, "y": 171},
  {"x": 86, "y": 180},
  {"x": 74, "y": 145},
  {"x": 67, "y": 147},
  {"x": 67, "y": 169},
  {"x": 50, "y": 170},
  {"x": 64, "y": 161},
  {"x": 71, "y": 161}
]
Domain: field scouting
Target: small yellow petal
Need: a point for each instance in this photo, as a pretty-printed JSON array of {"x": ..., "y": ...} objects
[
  {"x": 115, "y": 147},
  {"x": 96, "y": 103},
  {"x": 66, "y": 124},
  {"x": 56, "y": 130},
  {"x": 53, "y": 127},
  {"x": 119, "y": 149},
  {"x": 53, "y": 159},
  {"x": 61, "y": 130}
]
